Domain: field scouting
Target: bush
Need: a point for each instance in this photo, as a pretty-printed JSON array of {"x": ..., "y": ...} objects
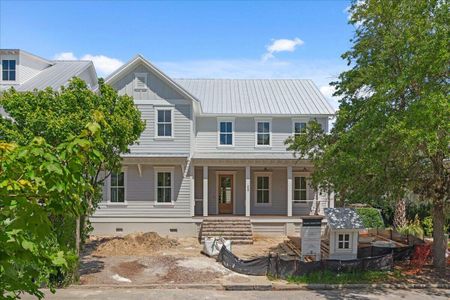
[
  {"x": 371, "y": 217},
  {"x": 412, "y": 228},
  {"x": 427, "y": 224}
]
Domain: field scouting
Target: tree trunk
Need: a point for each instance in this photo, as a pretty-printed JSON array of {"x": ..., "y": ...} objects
[
  {"x": 77, "y": 236},
  {"x": 400, "y": 213},
  {"x": 439, "y": 245}
]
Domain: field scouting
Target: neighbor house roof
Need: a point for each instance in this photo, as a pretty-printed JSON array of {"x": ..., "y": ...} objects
[
  {"x": 56, "y": 75},
  {"x": 343, "y": 218},
  {"x": 258, "y": 96}
]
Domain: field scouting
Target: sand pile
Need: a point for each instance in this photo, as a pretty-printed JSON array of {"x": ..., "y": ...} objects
[{"x": 133, "y": 244}]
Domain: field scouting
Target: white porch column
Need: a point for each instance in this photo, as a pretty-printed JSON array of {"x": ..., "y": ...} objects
[
  {"x": 192, "y": 194},
  {"x": 289, "y": 191},
  {"x": 205, "y": 191},
  {"x": 247, "y": 191}
]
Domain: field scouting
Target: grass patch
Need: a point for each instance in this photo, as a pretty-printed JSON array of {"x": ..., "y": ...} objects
[{"x": 327, "y": 277}]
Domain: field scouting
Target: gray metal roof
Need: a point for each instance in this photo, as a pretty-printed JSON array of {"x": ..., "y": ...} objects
[
  {"x": 343, "y": 218},
  {"x": 258, "y": 96},
  {"x": 55, "y": 76}
]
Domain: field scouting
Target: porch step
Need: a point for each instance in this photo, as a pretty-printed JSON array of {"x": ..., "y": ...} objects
[{"x": 238, "y": 230}]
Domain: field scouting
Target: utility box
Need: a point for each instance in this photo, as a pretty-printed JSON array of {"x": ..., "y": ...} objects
[{"x": 310, "y": 237}]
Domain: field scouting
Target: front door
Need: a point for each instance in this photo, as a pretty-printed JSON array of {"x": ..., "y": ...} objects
[{"x": 226, "y": 194}]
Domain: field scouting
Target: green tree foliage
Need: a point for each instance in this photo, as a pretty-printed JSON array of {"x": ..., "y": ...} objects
[
  {"x": 56, "y": 115},
  {"x": 391, "y": 134},
  {"x": 38, "y": 181},
  {"x": 371, "y": 217}
]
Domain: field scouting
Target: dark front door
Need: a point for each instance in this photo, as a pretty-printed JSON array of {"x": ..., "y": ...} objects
[{"x": 226, "y": 194}]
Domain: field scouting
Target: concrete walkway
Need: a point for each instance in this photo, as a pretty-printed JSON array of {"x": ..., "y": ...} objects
[{"x": 141, "y": 294}]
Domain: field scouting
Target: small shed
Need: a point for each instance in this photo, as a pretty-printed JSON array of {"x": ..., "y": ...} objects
[{"x": 343, "y": 232}]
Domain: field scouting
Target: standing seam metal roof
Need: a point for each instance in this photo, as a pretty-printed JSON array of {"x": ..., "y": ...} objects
[
  {"x": 55, "y": 76},
  {"x": 258, "y": 96}
]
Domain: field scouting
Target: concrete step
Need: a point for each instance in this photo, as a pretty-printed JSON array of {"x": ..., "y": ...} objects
[
  {"x": 227, "y": 233},
  {"x": 232, "y": 228}
]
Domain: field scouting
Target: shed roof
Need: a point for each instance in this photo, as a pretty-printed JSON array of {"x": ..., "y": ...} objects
[
  {"x": 258, "y": 96},
  {"x": 56, "y": 75},
  {"x": 343, "y": 218}
]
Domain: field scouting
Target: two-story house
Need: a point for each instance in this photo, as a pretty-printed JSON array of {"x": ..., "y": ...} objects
[
  {"x": 212, "y": 156},
  {"x": 212, "y": 149}
]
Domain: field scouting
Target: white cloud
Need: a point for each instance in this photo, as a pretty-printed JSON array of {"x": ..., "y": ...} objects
[
  {"x": 281, "y": 45},
  {"x": 104, "y": 65},
  {"x": 327, "y": 91},
  {"x": 64, "y": 56}
]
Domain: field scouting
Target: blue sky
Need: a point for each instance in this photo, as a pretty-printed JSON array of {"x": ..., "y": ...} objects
[{"x": 235, "y": 39}]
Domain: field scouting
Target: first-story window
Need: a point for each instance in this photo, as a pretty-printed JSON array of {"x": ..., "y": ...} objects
[
  {"x": 263, "y": 133},
  {"x": 262, "y": 189},
  {"x": 164, "y": 123},
  {"x": 8, "y": 70},
  {"x": 117, "y": 187},
  {"x": 300, "y": 190},
  {"x": 226, "y": 133},
  {"x": 344, "y": 241},
  {"x": 164, "y": 187},
  {"x": 299, "y": 128}
]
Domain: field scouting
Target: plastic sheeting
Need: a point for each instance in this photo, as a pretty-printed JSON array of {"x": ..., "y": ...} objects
[{"x": 283, "y": 267}]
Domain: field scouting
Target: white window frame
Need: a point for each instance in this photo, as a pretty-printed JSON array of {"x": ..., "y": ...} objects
[
  {"x": 262, "y": 174},
  {"x": 8, "y": 70},
  {"x": 350, "y": 241},
  {"x": 221, "y": 120},
  {"x": 160, "y": 108},
  {"x": 294, "y": 201},
  {"x": 136, "y": 80},
  {"x": 297, "y": 121},
  {"x": 125, "y": 181},
  {"x": 172, "y": 185},
  {"x": 266, "y": 120}
]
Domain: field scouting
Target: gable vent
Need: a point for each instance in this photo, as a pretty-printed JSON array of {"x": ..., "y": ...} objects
[{"x": 140, "y": 81}]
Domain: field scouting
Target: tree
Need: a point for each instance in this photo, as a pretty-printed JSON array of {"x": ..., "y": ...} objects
[
  {"x": 391, "y": 132},
  {"x": 56, "y": 115},
  {"x": 38, "y": 181}
]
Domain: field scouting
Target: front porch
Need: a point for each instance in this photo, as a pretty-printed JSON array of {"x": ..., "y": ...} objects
[{"x": 271, "y": 191}]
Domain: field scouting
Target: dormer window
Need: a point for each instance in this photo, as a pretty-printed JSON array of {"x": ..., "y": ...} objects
[
  {"x": 8, "y": 70},
  {"x": 140, "y": 81}
]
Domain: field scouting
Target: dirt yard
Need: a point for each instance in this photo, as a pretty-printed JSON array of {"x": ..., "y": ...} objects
[{"x": 151, "y": 259}]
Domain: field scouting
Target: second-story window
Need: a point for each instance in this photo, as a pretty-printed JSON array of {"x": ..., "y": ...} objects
[
  {"x": 226, "y": 133},
  {"x": 263, "y": 133},
  {"x": 299, "y": 128},
  {"x": 164, "y": 123},
  {"x": 8, "y": 70}
]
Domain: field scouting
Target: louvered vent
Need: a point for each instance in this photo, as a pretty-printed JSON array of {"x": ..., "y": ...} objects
[{"x": 140, "y": 81}]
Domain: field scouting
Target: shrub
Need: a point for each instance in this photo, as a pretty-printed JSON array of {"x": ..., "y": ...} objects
[
  {"x": 371, "y": 217},
  {"x": 412, "y": 228},
  {"x": 427, "y": 224}
]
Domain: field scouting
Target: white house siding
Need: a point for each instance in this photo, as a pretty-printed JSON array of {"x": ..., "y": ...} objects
[
  {"x": 244, "y": 134},
  {"x": 181, "y": 143},
  {"x": 140, "y": 196}
]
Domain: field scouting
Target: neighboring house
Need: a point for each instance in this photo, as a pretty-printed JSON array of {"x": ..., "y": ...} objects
[
  {"x": 212, "y": 148},
  {"x": 25, "y": 71}
]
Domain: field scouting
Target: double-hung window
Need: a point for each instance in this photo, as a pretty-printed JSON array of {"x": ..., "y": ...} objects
[
  {"x": 343, "y": 241},
  {"x": 117, "y": 187},
  {"x": 263, "y": 192},
  {"x": 8, "y": 70},
  {"x": 225, "y": 133},
  {"x": 299, "y": 128},
  {"x": 300, "y": 189},
  {"x": 164, "y": 123},
  {"x": 263, "y": 133},
  {"x": 164, "y": 186}
]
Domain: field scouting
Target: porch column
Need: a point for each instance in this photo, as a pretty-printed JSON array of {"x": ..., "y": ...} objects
[
  {"x": 247, "y": 191},
  {"x": 192, "y": 194},
  {"x": 205, "y": 191},
  {"x": 289, "y": 191}
]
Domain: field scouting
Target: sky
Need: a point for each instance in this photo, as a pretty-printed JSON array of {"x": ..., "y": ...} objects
[{"x": 188, "y": 39}]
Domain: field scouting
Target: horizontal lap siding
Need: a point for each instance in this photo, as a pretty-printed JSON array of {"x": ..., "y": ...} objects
[
  {"x": 140, "y": 196},
  {"x": 244, "y": 134},
  {"x": 279, "y": 193},
  {"x": 181, "y": 126}
]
